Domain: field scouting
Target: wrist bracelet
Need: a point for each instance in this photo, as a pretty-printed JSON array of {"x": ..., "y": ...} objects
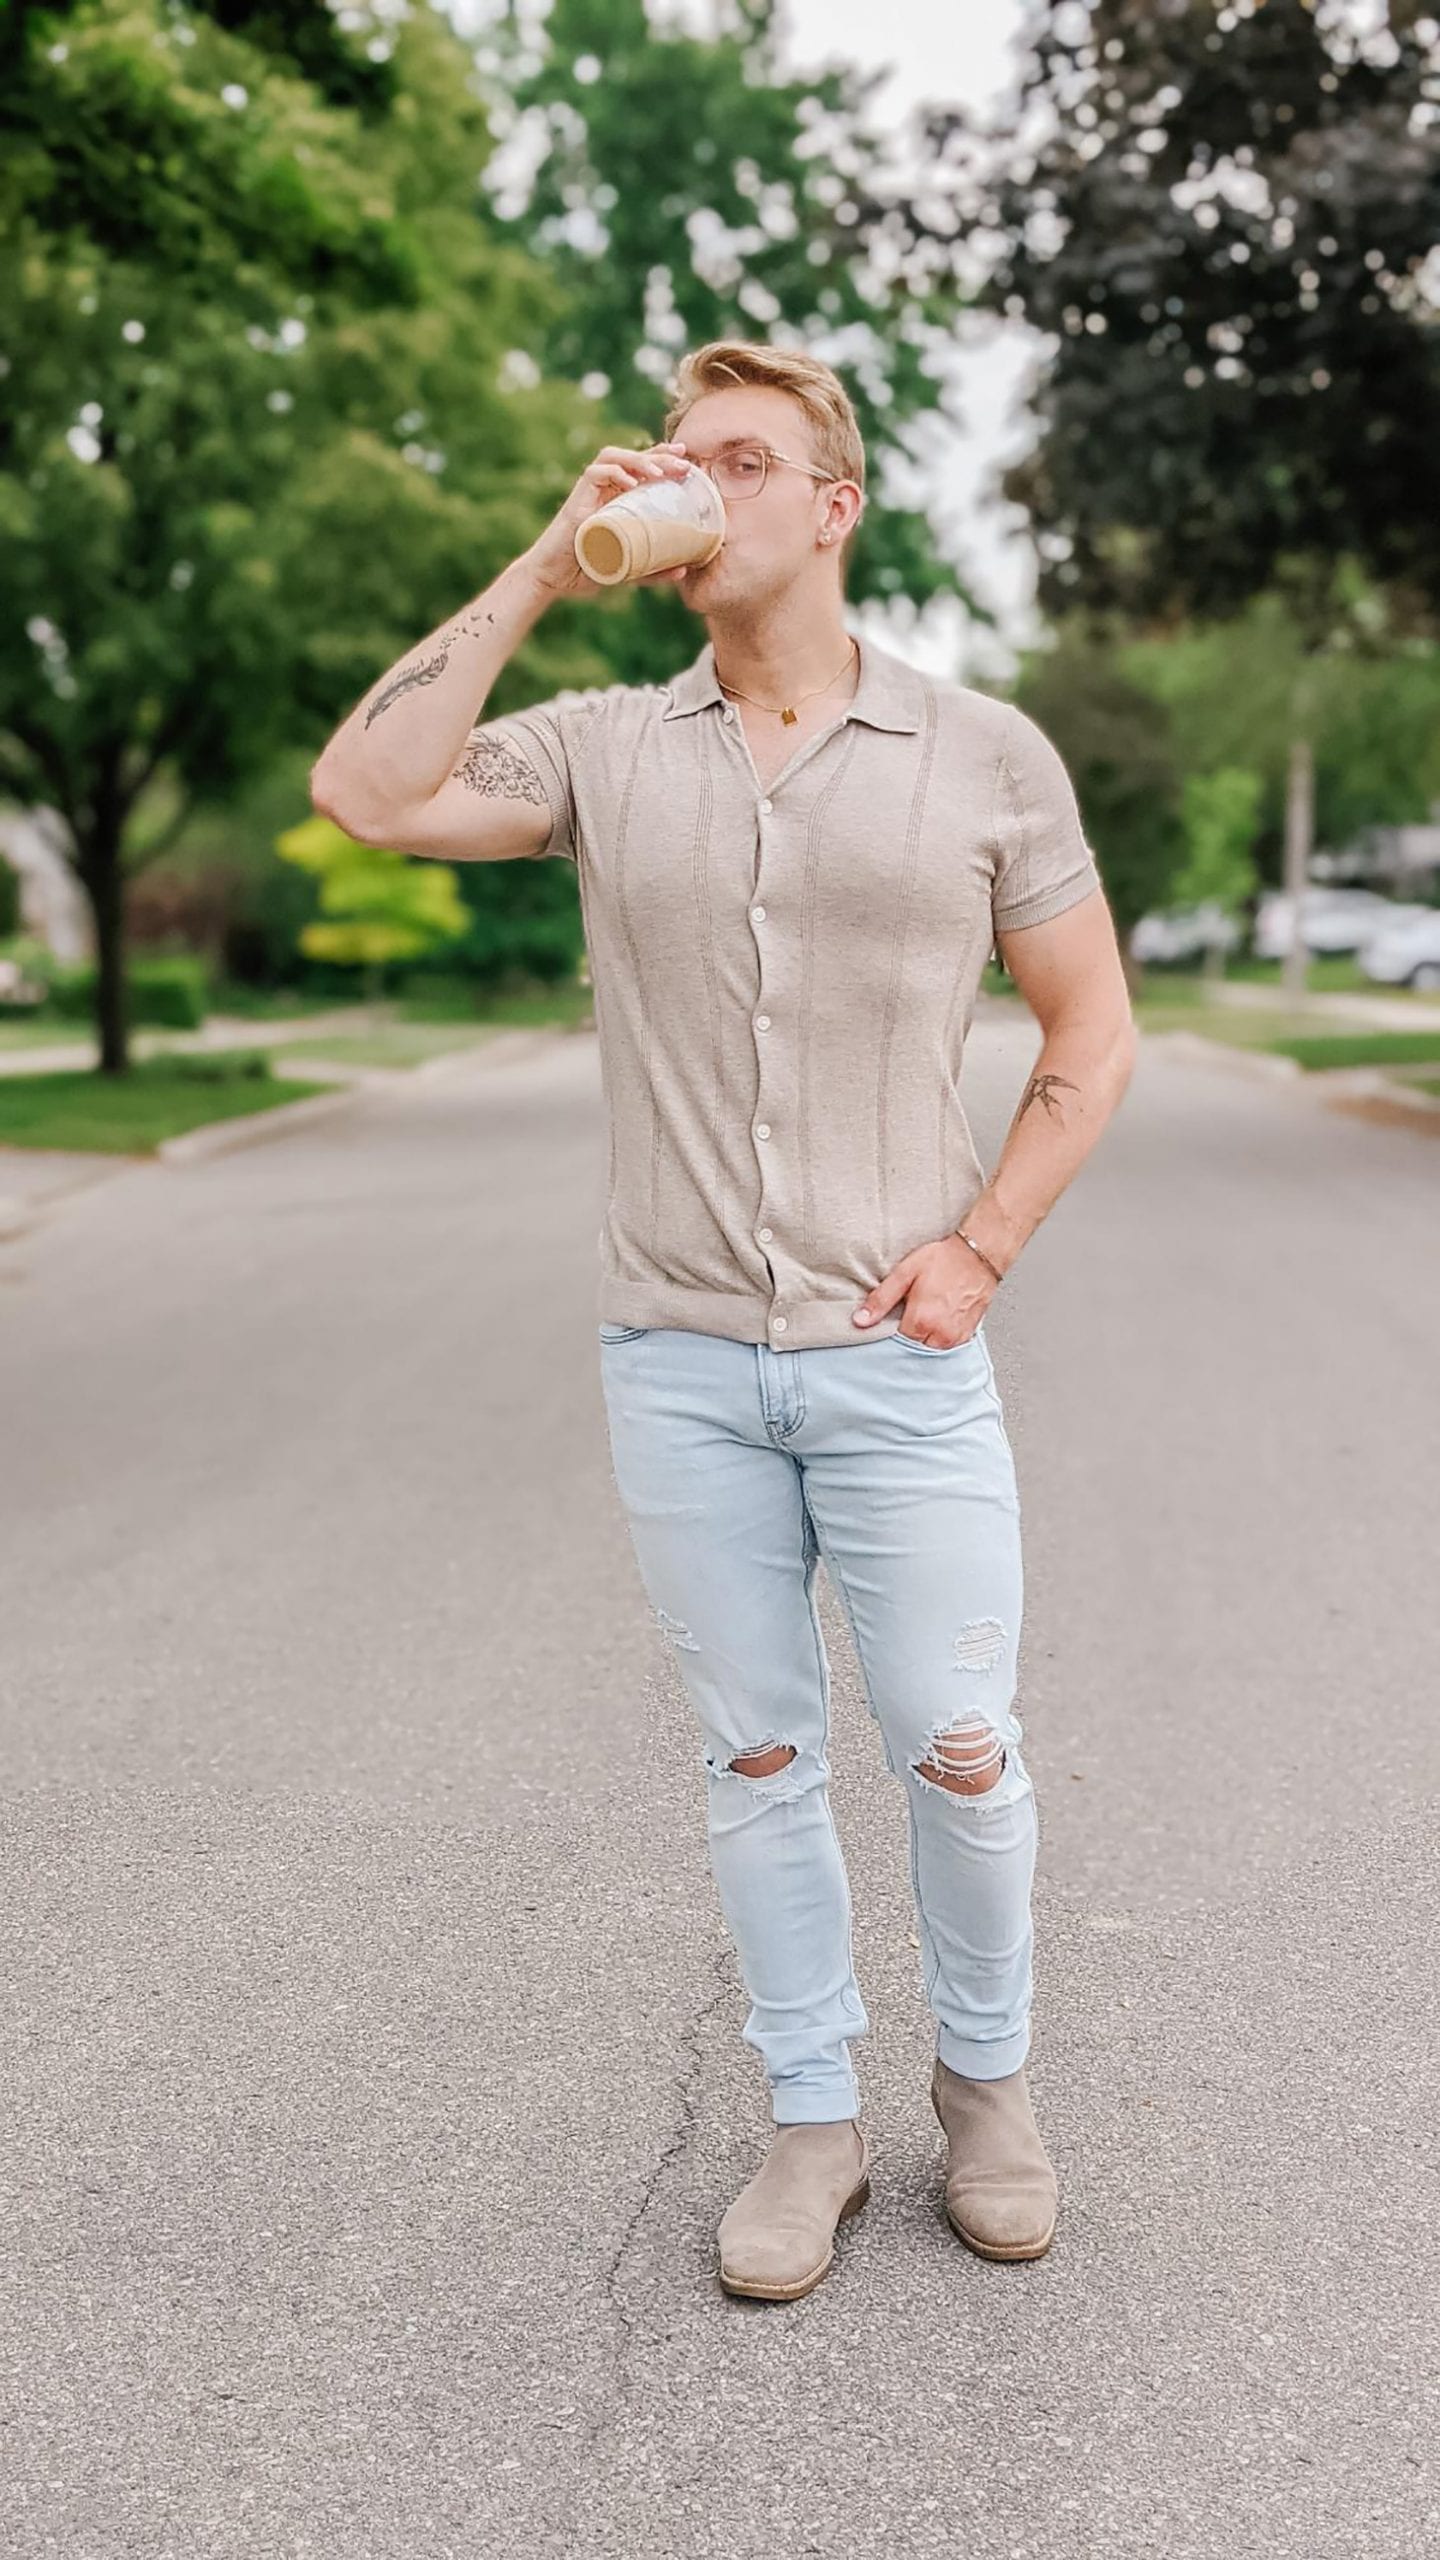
[{"x": 985, "y": 1258}]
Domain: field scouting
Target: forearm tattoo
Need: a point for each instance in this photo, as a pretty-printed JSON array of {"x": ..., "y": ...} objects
[
  {"x": 428, "y": 668},
  {"x": 1041, "y": 1089},
  {"x": 406, "y": 681},
  {"x": 497, "y": 770}
]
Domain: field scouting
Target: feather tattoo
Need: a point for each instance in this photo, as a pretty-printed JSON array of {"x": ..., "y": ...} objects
[{"x": 406, "y": 681}]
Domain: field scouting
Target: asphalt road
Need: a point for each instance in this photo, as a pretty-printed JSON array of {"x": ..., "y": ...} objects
[{"x": 372, "y": 2081}]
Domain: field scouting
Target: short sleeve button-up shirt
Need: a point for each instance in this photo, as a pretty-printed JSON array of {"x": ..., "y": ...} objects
[{"x": 785, "y": 975}]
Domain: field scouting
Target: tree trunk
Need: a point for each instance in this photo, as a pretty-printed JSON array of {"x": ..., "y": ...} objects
[
  {"x": 1299, "y": 844},
  {"x": 104, "y": 881}
]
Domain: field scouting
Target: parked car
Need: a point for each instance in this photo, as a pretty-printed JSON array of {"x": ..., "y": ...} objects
[
  {"x": 1334, "y": 920},
  {"x": 1183, "y": 933},
  {"x": 1407, "y": 953}
]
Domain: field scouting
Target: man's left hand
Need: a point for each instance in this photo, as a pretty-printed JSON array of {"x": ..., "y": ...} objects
[{"x": 946, "y": 1288}]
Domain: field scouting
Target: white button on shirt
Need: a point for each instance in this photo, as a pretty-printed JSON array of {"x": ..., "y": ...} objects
[
  {"x": 757, "y": 915},
  {"x": 767, "y": 806},
  {"x": 762, "y": 1128}
]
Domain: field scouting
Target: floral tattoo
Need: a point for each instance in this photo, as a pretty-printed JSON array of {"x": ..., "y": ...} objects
[{"x": 498, "y": 771}]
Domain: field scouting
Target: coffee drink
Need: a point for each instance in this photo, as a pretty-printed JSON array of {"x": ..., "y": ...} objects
[{"x": 657, "y": 526}]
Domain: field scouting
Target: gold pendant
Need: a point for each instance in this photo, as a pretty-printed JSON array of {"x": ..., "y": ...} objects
[{"x": 789, "y": 718}]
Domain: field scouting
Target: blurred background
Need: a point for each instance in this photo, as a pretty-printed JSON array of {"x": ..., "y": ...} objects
[
  {"x": 369, "y": 2043},
  {"x": 310, "y": 315}
]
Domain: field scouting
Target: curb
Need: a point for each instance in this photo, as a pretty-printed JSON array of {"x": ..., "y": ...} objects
[
  {"x": 218, "y": 1136},
  {"x": 1326, "y": 1084},
  {"x": 196, "y": 1146}
]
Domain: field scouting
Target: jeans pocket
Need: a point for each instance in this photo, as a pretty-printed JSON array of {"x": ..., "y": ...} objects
[
  {"x": 937, "y": 1350},
  {"x": 623, "y": 1332}
]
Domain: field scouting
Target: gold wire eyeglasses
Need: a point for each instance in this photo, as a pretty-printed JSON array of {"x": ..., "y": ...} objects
[{"x": 739, "y": 470}]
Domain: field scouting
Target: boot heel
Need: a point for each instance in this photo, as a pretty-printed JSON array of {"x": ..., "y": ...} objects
[{"x": 853, "y": 2202}]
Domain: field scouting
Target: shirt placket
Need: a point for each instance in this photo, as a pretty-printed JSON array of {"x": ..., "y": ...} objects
[{"x": 775, "y": 927}]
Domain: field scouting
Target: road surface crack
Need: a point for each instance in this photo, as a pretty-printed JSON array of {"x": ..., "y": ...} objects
[{"x": 687, "y": 2094}]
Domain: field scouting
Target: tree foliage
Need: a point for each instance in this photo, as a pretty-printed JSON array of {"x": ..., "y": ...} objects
[
  {"x": 375, "y": 906},
  {"x": 1221, "y": 812},
  {"x": 256, "y": 423},
  {"x": 1224, "y": 221},
  {"x": 683, "y": 187},
  {"x": 1117, "y": 741}
]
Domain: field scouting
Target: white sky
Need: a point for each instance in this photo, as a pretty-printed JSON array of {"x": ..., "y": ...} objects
[{"x": 962, "y": 52}]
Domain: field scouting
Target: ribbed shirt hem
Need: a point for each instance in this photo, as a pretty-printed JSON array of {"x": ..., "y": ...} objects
[{"x": 811, "y": 1324}]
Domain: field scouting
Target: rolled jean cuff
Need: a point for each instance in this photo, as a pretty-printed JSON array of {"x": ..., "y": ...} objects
[
  {"x": 814, "y": 2103},
  {"x": 992, "y": 2060}
]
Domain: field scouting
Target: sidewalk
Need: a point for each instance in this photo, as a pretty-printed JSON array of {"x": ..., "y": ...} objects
[
  {"x": 221, "y": 1031},
  {"x": 1333, "y": 1004}
]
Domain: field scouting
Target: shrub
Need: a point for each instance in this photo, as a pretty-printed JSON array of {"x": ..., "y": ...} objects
[{"x": 173, "y": 993}]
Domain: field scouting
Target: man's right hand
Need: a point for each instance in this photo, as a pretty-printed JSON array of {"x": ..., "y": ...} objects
[{"x": 616, "y": 467}]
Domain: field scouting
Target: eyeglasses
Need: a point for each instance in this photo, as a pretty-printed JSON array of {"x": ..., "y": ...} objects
[{"x": 739, "y": 470}]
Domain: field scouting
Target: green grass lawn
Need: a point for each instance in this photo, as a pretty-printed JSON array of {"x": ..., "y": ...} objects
[
  {"x": 130, "y": 1114},
  {"x": 1319, "y": 1050},
  {"x": 1239, "y": 1029},
  {"x": 166, "y": 1094},
  {"x": 1291, "y": 1035},
  {"x": 1328, "y": 973}
]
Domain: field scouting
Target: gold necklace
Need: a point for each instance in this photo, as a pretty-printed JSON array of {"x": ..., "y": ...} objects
[{"x": 787, "y": 710}]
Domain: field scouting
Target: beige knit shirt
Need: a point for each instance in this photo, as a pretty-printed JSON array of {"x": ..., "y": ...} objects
[{"x": 784, "y": 978}]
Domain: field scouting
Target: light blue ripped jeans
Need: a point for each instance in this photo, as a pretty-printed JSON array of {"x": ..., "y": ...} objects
[{"x": 739, "y": 1468}]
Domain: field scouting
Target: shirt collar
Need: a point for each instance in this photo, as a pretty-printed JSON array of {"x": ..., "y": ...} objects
[{"x": 887, "y": 696}]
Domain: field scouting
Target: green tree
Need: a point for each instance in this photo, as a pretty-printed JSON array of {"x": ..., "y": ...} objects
[
  {"x": 259, "y": 411},
  {"x": 684, "y": 187},
  {"x": 376, "y": 907},
  {"x": 1116, "y": 739},
  {"x": 1224, "y": 223},
  {"x": 1227, "y": 689},
  {"x": 1220, "y": 813},
  {"x": 1225, "y": 227}
]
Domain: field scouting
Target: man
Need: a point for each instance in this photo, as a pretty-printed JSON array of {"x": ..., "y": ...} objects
[{"x": 793, "y": 864}]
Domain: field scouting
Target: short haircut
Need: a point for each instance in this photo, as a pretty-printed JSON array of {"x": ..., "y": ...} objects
[{"x": 839, "y": 448}]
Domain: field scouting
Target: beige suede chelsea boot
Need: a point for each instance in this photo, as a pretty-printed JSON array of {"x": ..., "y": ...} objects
[
  {"x": 778, "y": 2237},
  {"x": 1000, "y": 2191}
]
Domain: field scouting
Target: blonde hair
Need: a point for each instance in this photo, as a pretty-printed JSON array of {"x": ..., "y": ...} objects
[{"x": 835, "y": 429}]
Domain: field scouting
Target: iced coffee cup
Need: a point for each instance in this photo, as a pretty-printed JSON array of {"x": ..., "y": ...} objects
[{"x": 656, "y": 526}]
